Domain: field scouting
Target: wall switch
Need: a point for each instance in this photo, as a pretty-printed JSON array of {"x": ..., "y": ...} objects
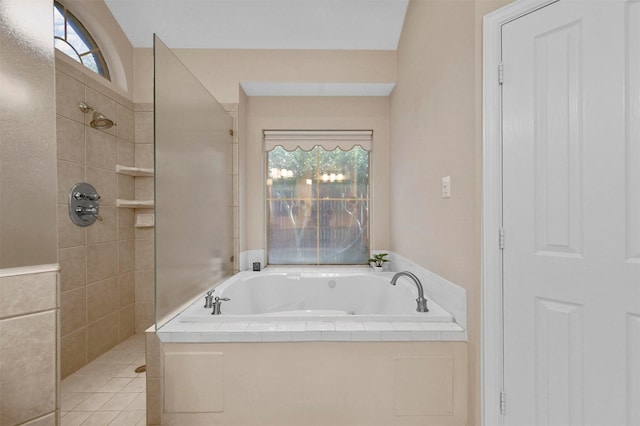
[{"x": 446, "y": 187}]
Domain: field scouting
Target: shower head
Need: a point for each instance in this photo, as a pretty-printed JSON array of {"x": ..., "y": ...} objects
[{"x": 100, "y": 121}]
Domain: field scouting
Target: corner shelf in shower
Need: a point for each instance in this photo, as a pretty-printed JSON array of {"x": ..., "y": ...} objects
[
  {"x": 135, "y": 204},
  {"x": 133, "y": 171}
]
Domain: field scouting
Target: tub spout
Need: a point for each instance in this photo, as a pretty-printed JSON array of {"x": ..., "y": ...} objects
[{"x": 422, "y": 302}]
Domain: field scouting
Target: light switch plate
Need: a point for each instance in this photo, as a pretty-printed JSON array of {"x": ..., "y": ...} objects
[{"x": 446, "y": 187}]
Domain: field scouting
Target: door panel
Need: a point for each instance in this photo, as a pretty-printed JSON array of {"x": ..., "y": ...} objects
[{"x": 570, "y": 153}]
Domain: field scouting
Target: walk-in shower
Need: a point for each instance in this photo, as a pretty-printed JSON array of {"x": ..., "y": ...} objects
[{"x": 99, "y": 121}]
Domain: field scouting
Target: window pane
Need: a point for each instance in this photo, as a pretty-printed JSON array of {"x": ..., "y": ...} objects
[
  {"x": 89, "y": 61},
  {"x": 343, "y": 232},
  {"x": 292, "y": 232},
  {"x": 291, "y": 174},
  {"x": 58, "y": 22},
  {"x": 68, "y": 50},
  {"x": 317, "y": 206},
  {"x": 344, "y": 174}
]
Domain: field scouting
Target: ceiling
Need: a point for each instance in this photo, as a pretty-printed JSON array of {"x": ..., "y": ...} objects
[{"x": 263, "y": 24}]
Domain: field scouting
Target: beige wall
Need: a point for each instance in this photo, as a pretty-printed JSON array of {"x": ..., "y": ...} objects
[
  {"x": 316, "y": 113},
  {"x": 28, "y": 236},
  {"x": 436, "y": 131},
  {"x": 221, "y": 71},
  {"x": 96, "y": 262}
]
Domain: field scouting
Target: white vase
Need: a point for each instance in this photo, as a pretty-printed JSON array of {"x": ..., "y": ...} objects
[{"x": 378, "y": 268}]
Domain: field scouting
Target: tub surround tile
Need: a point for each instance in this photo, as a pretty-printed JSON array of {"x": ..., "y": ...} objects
[
  {"x": 320, "y": 326},
  {"x": 233, "y": 327},
  {"x": 299, "y": 331},
  {"x": 349, "y": 326},
  {"x": 257, "y": 326},
  {"x": 291, "y": 326},
  {"x": 203, "y": 327}
]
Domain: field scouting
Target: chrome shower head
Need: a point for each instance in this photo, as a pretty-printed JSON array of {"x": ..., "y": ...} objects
[{"x": 100, "y": 121}]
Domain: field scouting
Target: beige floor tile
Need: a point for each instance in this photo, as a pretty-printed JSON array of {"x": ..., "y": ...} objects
[
  {"x": 115, "y": 384},
  {"x": 136, "y": 385},
  {"x": 128, "y": 370},
  {"x": 119, "y": 402},
  {"x": 128, "y": 418},
  {"x": 94, "y": 402},
  {"x": 68, "y": 400},
  {"x": 101, "y": 418},
  {"x": 75, "y": 418},
  {"x": 139, "y": 403}
]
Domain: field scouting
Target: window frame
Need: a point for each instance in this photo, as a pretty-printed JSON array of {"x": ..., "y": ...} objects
[
  {"x": 71, "y": 21},
  {"x": 329, "y": 141}
]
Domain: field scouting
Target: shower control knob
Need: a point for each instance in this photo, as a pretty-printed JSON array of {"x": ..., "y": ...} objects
[{"x": 93, "y": 197}]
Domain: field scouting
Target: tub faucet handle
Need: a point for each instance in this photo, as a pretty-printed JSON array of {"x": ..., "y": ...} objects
[
  {"x": 217, "y": 303},
  {"x": 208, "y": 300}
]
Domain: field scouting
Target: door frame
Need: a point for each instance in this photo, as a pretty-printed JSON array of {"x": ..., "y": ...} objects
[{"x": 492, "y": 352}]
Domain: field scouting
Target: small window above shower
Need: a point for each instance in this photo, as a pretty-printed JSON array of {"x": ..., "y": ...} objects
[{"x": 72, "y": 38}]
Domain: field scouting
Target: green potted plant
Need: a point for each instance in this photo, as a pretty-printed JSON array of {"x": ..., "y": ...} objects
[{"x": 378, "y": 260}]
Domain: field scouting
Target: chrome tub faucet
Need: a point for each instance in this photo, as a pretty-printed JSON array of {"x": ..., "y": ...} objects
[{"x": 422, "y": 302}]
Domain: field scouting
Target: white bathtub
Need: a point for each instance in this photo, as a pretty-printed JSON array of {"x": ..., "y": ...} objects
[{"x": 295, "y": 294}]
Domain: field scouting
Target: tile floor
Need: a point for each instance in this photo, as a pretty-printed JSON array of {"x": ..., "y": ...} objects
[{"x": 107, "y": 391}]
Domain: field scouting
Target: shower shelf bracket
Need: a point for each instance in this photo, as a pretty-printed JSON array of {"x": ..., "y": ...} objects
[{"x": 134, "y": 171}]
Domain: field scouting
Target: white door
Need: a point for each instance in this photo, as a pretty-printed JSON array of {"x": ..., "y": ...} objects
[{"x": 571, "y": 214}]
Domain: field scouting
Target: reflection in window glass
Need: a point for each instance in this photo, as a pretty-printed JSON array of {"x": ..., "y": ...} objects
[
  {"x": 318, "y": 206},
  {"x": 73, "y": 39}
]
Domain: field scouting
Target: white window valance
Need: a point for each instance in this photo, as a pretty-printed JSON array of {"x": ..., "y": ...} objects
[{"x": 307, "y": 139}]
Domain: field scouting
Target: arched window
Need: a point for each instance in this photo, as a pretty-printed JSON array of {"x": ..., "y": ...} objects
[{"x": 73, "y": 39}]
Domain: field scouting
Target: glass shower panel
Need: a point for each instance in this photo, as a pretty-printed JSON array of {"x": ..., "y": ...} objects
[{"x": 193, "y": 186}]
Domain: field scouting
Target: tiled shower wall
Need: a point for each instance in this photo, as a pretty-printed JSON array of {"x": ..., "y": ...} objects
[{"x": 97, "y": 262}]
